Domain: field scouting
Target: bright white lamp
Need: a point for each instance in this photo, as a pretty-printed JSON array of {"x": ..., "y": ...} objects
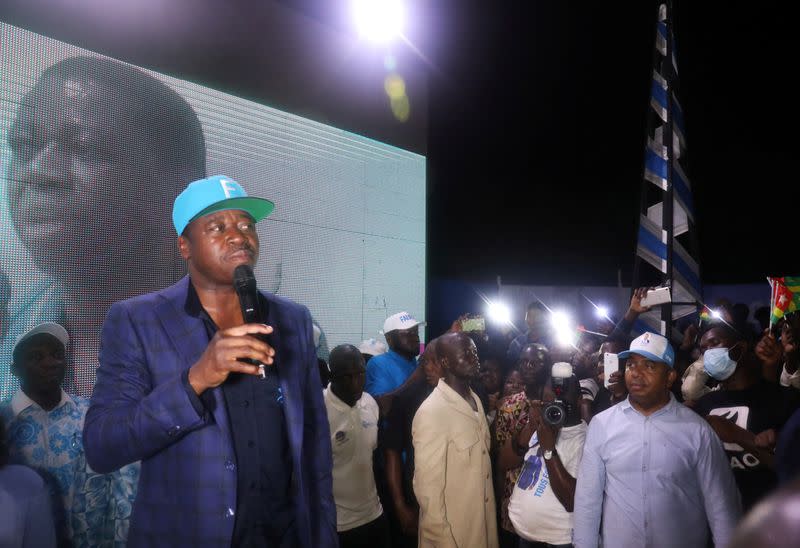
[{"x": 379, "y": 21}]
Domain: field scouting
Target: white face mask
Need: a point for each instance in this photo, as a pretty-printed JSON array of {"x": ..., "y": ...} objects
[{"x": 718, "y": 363}]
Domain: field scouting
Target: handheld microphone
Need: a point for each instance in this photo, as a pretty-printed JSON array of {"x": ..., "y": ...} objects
[{"x": 244, "y": 282}]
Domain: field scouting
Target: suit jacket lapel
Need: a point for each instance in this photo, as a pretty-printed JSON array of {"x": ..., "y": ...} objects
[
  {"x": 189, "y": 337},
  {"x": 286, "y": 367}
]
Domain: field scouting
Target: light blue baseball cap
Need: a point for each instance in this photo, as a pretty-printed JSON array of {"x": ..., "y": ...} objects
[
  {"x": 214, "y": 194},
  {"x": 653, "y": 347}
]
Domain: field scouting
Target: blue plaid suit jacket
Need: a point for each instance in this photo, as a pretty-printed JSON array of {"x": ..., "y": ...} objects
[{"x": 140, "y": 411}]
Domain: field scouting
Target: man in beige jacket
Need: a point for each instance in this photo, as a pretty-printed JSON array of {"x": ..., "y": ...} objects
[{"x": 453, "y": 474}]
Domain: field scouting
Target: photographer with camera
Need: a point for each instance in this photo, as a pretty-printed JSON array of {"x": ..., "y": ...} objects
[
  {"x": 543, "y": 497},
  {"x": 513, "y": 422}
]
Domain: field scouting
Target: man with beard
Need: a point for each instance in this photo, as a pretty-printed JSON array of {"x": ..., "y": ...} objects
[{"x": 388, "y": 371}]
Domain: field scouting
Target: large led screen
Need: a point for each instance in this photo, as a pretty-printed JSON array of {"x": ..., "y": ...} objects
[{"x": 94, "y": 152}]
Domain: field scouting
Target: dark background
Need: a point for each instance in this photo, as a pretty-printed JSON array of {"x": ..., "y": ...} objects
[
  {"x": 539, "y": 162},
  {"x": 532, "y": 116}
]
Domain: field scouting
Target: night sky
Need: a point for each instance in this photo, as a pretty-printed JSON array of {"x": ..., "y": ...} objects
[
  {"x": 537, "y": 137},
  {"x": 536, "y": 123}
]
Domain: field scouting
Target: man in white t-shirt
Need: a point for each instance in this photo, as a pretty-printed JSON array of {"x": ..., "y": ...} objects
[
  {"x": 353, "y": 420},
  {"x": 542, "y": 501}
]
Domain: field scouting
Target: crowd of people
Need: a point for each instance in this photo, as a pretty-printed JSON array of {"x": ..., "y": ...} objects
[
  {"x": 205, "y": 431},
  {"x": 500, "y": 440}
]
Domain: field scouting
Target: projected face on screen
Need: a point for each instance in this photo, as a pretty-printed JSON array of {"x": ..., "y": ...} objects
[
  {"x": 94, "y": 152},
  {"x": 92, "y": 173}
]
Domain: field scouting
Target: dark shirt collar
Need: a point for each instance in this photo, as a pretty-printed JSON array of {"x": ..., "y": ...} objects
[{"x": 193, "y": 305}]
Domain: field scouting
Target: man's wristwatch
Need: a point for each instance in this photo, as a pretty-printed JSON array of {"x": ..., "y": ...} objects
[{"x": 548, "y": 454}]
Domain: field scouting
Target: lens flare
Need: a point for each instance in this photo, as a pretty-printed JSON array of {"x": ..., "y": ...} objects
[
  {"x": 498, "y": 313},
  {"x": 401, "y": 108},
  {"x": 395, "y": 86},
  {"x": 379, "y": 21}
]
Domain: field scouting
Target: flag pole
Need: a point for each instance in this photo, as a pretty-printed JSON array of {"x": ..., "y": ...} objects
[
  {"x": 667, "y": 216},
  {"x": 771, "y": 302}
]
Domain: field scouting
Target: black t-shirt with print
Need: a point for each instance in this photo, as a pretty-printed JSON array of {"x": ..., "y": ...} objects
[{"x": 758, "y": 408}]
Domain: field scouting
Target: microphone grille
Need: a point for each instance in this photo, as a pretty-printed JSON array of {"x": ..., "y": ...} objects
[{"x": 243, "y": 276}]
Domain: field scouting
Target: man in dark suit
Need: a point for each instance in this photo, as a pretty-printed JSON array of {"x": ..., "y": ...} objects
[{"x": 228, "y": 458}]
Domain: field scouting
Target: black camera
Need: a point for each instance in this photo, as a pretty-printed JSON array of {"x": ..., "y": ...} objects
[{"x": 558, "y": 411}]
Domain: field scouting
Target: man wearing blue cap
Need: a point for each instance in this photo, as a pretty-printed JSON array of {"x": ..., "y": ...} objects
[
  {"x": 228, "y": 458},
  {"x": 653, "y": 472}
]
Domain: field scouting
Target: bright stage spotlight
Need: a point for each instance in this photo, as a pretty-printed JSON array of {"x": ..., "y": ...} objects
[
  {"x": 562, "y": 325},
  {"x": 601, "y": 311},
  {"x": 498, "y": 313},
  {"x": 716, "y": 315},
  {"x": 379, "y": 21}
]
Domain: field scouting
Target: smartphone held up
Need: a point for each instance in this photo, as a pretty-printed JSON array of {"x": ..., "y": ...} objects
[{"x": 657, "y": 295}]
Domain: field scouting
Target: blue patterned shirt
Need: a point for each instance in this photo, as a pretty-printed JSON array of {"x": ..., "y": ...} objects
[{"x": 90, "y": 509}]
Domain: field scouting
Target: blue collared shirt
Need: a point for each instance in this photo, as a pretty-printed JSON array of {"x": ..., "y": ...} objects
[
  {"x": 388, "y": 371},
  {"x": 657, "y": 480}
]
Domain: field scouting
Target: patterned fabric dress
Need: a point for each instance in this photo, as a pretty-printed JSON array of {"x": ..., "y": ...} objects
[
  {"x": 90, "y": 509},
  {"x": 511, "y": 419}
]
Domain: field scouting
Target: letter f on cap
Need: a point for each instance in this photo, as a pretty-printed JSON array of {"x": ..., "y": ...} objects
[{"x": 227, "y": 187}]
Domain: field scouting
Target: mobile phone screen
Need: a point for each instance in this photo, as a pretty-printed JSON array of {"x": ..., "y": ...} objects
[
  {"x": 473, "y": 324},
  {"x": 610, "y": 365}
]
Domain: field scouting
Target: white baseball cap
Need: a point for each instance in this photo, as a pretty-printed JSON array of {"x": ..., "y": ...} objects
[
  {"x": 401, "y": 320},
  {"x": 652, "y": 346},
  {"x": 373, "y": 347},
  {"x": 50, "y": 328}
]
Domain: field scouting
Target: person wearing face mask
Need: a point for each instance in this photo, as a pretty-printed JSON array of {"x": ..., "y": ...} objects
[
  {"x": 746, "y": 413},
  {"x": 694, "y": 382}
]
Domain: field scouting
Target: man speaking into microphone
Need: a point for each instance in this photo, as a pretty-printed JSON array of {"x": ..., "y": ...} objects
[{"x": 227, "y": 417}]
